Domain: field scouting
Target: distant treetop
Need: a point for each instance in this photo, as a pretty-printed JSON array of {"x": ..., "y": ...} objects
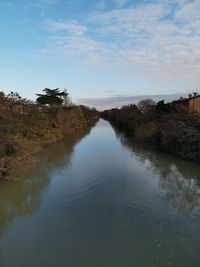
[{"x": 52, "y": 97}]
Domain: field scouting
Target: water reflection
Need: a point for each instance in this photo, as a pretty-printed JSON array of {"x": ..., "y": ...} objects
[
  {"x": 101, "y": 203},
  {"x": 179, "y": 179},
  {"x": 22, "y": 198}
]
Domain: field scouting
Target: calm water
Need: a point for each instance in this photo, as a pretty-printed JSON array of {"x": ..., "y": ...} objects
[{"x": 98, "y": 200}]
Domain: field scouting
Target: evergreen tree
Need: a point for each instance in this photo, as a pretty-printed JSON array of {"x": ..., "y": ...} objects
[{"x": 52, "y": 97}]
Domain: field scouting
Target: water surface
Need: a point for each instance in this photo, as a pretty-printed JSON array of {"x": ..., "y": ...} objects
[{"x": 97, "y": 199}]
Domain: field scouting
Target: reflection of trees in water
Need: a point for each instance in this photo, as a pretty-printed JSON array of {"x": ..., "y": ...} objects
[
  {"x": 179, "y": 179},
  {"x": 183, "y": 191},
  {"x": 18, "y": 199},
  {"x": 59, "y": 155},
  {"x": 22, "y": 198}
]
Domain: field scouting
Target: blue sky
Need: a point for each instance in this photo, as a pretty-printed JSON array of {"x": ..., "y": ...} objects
[{"x": 100, "y": 49}]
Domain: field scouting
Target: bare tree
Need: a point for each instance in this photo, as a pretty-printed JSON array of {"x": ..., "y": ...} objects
[{"x": 145, "y": 104}]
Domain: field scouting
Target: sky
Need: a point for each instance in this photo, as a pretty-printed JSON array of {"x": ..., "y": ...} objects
[{"x": 100, "y": 50}]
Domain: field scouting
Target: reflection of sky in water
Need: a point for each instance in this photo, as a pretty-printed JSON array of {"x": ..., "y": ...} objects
[{"x": 102, "y": 202}]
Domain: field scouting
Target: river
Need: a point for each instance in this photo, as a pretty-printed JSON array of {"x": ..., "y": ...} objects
[{"x": 98, "y": 199}]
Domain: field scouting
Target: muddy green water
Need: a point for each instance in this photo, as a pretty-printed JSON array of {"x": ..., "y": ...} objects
[{"x": 99, "y": 200}]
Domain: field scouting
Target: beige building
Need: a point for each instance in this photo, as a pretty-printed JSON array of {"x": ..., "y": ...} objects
[{"x": 194, "y": 104}]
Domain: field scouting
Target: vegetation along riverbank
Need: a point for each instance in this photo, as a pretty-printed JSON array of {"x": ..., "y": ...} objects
[
  {"x": 26, "y": 127},
  {"x": 170, "y": 127}
]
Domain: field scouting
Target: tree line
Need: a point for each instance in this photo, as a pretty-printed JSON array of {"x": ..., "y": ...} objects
[
  {"x": 27, "y": 126},
  {"x": 166, "y": 127}
]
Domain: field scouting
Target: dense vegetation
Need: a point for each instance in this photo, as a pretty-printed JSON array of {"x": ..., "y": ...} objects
[
  {"x": 26, "y": 127},
  {"x": 166, "y": 127}
]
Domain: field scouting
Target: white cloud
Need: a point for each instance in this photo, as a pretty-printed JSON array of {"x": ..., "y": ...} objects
[
  {"x": 73, "y": 28},
  {"x": 189, "y": 12},
  {"x": 74, "y": 43},
  {"x": 159, "y": 41}
]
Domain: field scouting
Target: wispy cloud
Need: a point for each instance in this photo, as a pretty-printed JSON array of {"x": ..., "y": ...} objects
[
  {"x": 75, "y": 42},
  {"x": 72, "y": 28},
  {"x": 120, "y": 3},
  {"x": 159, "y": 41},
  {"x": 101, "y": 5}
]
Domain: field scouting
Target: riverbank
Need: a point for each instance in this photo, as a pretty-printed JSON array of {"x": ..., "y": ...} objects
[
  {"x": 176, "y": 132},
  {"x": 26, "y": 128}
]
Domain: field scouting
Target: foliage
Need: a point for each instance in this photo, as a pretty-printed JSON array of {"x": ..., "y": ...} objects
[
  {"x": 26, "y": 127},
  {"x": 91, "y": 114},
  {"x": 52, "y": 97},
  {"x": 145, "y": 104},
  {"x": 164, "y": 127},
  {"x": 126, "y": 118}
]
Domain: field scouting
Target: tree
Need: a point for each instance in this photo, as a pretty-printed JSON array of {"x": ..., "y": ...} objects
[
  {"x": 145, "y": 104},
  {"x": 52, "y": 97},
  {"x": 14, "y": 97}
]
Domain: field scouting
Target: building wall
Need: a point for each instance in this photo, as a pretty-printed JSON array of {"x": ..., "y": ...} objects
[{"x": 194, "y": 105}]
